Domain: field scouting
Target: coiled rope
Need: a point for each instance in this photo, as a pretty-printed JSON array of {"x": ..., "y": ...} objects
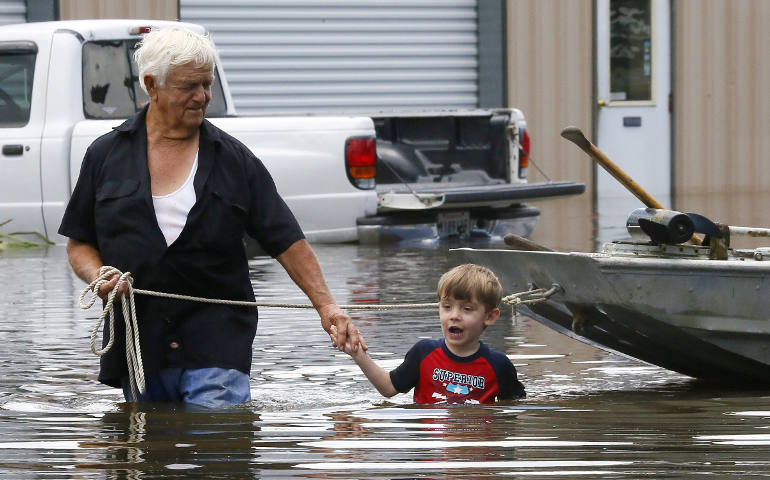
[{"x": 133, "y": 349}]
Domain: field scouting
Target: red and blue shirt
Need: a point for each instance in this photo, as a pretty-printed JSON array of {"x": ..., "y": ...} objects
[{"x": 437, "y": 375}]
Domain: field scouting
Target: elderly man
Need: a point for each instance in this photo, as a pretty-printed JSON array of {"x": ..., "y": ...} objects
[{"x": 168, "y": 197}]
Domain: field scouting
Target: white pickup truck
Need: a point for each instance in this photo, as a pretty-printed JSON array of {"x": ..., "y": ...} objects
[{"x": 346, "y": 178}]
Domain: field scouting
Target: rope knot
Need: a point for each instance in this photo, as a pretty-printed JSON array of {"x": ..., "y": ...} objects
[{"x": 531, "y": 296}]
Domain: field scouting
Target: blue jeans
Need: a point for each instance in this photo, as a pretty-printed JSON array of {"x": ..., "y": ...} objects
[{"x": 205, "y": 387}]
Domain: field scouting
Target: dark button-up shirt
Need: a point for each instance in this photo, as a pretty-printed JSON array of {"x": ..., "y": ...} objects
[{"x": 111, "y": 208}]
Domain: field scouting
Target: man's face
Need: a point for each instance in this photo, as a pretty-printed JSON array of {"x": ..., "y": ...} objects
[{"x": 182, "y": 102}]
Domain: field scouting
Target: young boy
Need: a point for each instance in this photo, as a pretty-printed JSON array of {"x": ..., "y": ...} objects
[{"x": 458, "y": 368}]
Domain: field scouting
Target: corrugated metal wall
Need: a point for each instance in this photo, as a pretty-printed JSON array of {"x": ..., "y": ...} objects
[
  {"x": 294, "y": 56},
  {"x": 144, "y": 9},
  {"x": 722, "y": 102},
  {"x": 722, "y": 109},
  {"x": 550, "y": 77},
  {"x": 13, "y": 11}
]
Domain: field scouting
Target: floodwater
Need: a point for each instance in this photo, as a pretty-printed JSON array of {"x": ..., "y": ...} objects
[{"x": 588, "y": 414}]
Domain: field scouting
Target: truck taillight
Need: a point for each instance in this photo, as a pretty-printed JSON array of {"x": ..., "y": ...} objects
[
  {"x": 523, "y": 153},
  {"x": 139, "y": 30},
  {"x": 361, "y": 161}
]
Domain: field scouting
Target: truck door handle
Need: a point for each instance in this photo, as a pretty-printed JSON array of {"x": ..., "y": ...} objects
[{"x": 13, "y": 150}]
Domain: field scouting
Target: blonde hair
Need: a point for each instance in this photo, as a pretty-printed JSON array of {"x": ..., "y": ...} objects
[
  {"x": 471, "y": 282},
  {"x": 165, "y": 48}
]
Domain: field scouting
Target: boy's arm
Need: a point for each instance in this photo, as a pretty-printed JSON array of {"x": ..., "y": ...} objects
[{"x": 378, "y": 376}]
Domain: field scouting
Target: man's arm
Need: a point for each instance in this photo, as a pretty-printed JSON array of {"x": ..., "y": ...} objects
[
  {"x": 86, "y": 262},
  {"x": 301, "y": 264}
]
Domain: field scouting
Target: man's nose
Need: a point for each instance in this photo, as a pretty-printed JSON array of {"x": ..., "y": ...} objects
[{"x": 201, "y": 94}]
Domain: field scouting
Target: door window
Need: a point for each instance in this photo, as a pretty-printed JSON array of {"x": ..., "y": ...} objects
[
  {"x": 111, "y": 82},
  {"x": 17, "y": 68},
  {"x": 631, "y": 50}
]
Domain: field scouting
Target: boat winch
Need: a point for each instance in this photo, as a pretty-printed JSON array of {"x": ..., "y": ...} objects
[{"x": 660, "y": 226}]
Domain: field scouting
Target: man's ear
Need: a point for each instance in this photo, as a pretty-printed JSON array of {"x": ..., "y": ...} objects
[
  {"x": 492, "y": 316},
  {"x": 150, "y": 84}
]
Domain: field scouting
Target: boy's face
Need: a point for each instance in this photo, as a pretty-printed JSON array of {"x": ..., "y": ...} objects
[{"x": 462, "y": 323}]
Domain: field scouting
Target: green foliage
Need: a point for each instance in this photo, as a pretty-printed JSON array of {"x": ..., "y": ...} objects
[{"x": 13, "y": 240}]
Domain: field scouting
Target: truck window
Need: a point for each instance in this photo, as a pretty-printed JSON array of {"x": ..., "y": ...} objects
[
  {"x": 111, "y": 82},
  {"x": 17, "y": 68}
]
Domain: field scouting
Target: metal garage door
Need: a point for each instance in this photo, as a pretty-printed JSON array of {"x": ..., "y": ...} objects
[
  {"x": 293, "y": 56},
  {"x": 13, "y": 11}
]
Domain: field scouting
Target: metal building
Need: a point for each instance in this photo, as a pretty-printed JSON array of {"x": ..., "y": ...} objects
[
  {"x": 347, "y": 55},
  {"x": 13, "y": 11}
]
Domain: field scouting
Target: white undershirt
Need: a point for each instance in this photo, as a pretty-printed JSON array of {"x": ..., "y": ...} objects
[{"x": 171, "y": 210}]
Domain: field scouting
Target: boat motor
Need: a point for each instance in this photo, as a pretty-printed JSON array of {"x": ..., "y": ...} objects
[{"x": 659, "y": 226}]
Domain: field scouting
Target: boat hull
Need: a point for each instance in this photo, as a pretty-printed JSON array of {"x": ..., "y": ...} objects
[{"x": 703, "y": 318}]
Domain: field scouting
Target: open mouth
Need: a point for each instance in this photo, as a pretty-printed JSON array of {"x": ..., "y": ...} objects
[{"x": 455, "y": 330}]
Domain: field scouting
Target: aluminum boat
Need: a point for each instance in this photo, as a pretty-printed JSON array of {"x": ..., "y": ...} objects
[{"x": 701, "y": 310}]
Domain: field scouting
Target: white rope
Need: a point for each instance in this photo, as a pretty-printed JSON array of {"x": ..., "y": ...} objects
[
  {"x": 518, "y": 298},
  {"x": 243, "y": 303},
  {"x": 133, "y": 350},
  {"x": 530, "y": 297}
]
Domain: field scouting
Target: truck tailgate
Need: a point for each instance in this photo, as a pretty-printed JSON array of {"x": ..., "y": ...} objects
[{"x": 447, "y": 196}]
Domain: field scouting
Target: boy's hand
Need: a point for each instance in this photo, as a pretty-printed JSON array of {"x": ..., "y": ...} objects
[{"x": 347, "y": 347}]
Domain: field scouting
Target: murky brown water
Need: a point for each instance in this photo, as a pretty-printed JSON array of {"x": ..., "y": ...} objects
[{"x": 588, "y": 414}]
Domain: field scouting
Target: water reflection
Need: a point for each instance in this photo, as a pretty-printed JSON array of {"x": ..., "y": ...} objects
[{"x": 143, "y": 441}]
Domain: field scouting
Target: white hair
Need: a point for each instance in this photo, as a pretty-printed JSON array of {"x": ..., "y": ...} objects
[{"x": 165, "y": 48}]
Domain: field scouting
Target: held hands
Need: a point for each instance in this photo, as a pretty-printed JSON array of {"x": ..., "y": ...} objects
[
  {"x": 342, "y": 332},
  {"x": 358, "y": 354}
]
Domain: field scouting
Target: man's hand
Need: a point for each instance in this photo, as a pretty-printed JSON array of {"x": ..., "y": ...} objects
[
  {"x": 341, "y": 329},
  {"x": 106, "y": 288}
]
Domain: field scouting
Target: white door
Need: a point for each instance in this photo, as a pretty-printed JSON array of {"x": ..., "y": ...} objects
[
  {"x": 20, "y": 131},
  {"x": 634, "y": 122}
]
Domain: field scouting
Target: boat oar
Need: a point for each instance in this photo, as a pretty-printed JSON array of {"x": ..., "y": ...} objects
[
  {"x": 575, "y": 135},
  {"x": 520, "y": 243}
]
